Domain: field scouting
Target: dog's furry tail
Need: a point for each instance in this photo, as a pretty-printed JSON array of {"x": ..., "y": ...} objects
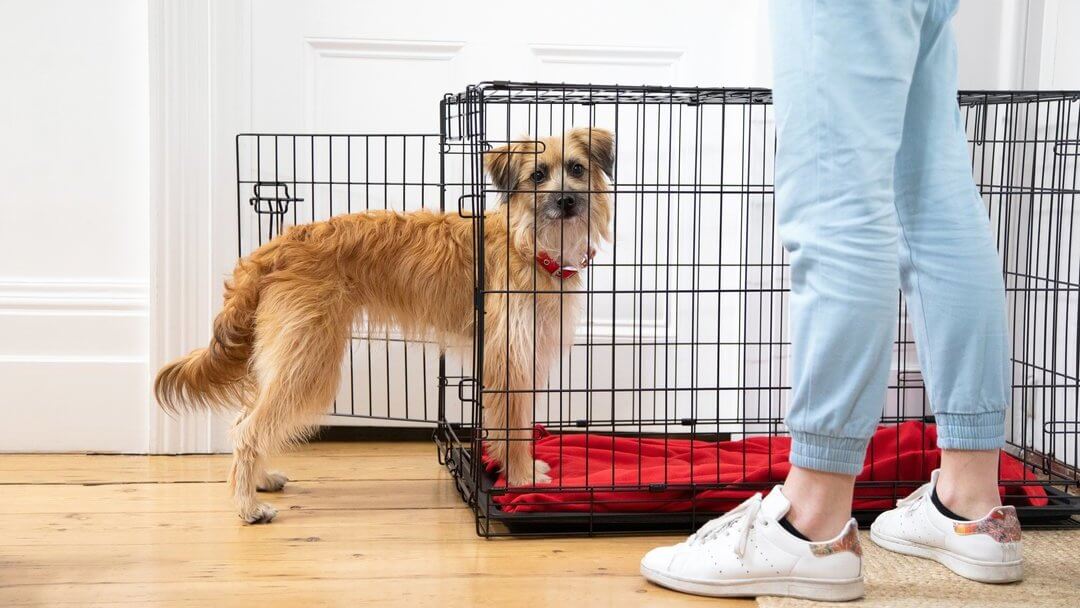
[{"x": 215, "y": 376}]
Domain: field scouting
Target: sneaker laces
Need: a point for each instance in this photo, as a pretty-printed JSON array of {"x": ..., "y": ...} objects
[
  {"x": 742, "y": 516},
  {"x": 911, "y": 499}
]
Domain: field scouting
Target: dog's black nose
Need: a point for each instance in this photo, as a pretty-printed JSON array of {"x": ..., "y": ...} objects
[{"x": 566, "y": 203}]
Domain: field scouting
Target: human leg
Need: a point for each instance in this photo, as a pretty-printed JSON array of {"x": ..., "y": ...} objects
[{"x": 951, "y": 278}]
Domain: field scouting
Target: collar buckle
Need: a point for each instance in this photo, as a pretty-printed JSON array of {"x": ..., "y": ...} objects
[{"x": 553, "y": 268}]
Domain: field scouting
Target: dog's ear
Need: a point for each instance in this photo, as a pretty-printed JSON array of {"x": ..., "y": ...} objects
[
  {"x": 501, "y": 164},
  {"x": 600, "y": 144}
]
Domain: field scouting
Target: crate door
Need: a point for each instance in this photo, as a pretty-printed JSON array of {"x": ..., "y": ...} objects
[{"x": 291, "y": 179}]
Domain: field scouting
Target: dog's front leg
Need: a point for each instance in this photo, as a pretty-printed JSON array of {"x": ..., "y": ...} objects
[
  {"x": 509, "y": 436},
  {"x": 507, "y": 406}
]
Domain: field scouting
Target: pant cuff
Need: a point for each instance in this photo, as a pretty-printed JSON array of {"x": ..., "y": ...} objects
[
  {"x": 982, "y": 431},
  {"x": 830, "y": 454}
]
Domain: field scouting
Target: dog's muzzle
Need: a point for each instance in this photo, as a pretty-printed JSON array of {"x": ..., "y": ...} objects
[{"x": 564, "y": 206}]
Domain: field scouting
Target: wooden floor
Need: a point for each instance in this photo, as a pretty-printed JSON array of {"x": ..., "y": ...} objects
[{"x": 361, "y": 524}]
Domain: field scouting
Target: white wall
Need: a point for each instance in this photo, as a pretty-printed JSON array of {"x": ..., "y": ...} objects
[
  {"x": 75, "y": 100},
  {"x": 74, "y": 237},
  {"x": 987, "y": 41}
]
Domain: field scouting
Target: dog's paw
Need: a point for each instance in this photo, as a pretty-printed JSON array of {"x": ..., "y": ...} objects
[
  {"x": 540, "y": 473},
  {"x": 259, "y": 513},
  {"x": 272, "y": 481},
  {"x": 537, "y": 476}
]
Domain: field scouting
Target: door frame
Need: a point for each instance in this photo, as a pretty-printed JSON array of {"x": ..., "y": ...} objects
[{"x": 200, "y": 83}]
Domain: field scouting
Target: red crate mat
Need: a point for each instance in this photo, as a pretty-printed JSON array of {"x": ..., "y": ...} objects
[{"x": 904, "y": 452}]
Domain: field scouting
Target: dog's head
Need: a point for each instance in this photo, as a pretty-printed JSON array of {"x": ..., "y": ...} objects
[{"x": 556, "y": 190}]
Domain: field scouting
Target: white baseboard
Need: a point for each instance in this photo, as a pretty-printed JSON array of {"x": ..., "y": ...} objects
[
  {"x": 73, "y": 364},
  {"x": 90, "y": 404}
]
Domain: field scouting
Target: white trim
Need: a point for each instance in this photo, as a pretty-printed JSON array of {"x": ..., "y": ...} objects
[
  {"x": 177, "y": 32},
  {"x": 49, "y": 296},
  {"x": 1047, "y": 27},
  {"x": 200, "y": 82},
  {"x": 359, "y": 48},
  {"x": 65, "y": 360},
  {"x": 1012, "y": 45},
  {"x": 1048, "y": 23},
  {"x": 606, "y": 55},
  {"x": 1029, "y": 35}
]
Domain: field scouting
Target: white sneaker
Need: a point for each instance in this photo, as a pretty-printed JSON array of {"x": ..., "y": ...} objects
[
  {"x": 986, "y": 550},
  {"x": 747, "y": 552}
]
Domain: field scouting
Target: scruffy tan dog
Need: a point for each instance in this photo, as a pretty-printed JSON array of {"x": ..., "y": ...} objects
[{"x": 279, "y": 339}]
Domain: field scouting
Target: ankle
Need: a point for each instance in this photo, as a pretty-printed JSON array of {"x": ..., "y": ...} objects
[
  {"x": 968, "y": 505},
  {"x": 816, "y": 526},
  {"x": 820, "y": 502},
  {"x": 967, "y": 484}
]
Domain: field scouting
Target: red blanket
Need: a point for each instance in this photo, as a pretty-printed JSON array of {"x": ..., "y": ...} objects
[{"x": 635, "y": 468}]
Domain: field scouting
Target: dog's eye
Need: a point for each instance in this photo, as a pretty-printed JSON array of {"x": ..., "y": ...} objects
[
  {"x": 537, "y": 176},
  {"x": 577, "y": 170}
]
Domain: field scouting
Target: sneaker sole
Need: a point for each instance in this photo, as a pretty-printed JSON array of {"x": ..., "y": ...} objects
[
  {"x": 811, "y": 589},
  {"x": 983, "y": 572}
]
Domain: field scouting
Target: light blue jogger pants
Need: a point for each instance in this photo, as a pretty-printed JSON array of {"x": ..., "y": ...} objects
[{"x": 874, "y": 191}]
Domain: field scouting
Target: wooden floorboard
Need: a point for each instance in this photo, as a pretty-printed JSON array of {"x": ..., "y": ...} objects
[
  {"x": 377, "y": 460},
  {"x": 361, "y": 524}
]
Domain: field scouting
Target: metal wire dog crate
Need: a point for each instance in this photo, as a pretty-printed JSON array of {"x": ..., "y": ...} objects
[{"x": 680, "y": 358}]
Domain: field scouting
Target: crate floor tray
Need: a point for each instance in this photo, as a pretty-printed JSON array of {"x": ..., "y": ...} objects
[
  {"x": 606, "y": 483},
  {"x": 1057, "y": 513}
]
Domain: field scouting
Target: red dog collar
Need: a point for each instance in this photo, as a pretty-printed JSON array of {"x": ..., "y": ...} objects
[{"x": 553, "y": 268}]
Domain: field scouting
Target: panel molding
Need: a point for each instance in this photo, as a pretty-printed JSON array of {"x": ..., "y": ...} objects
[
  {"x": 606, "y": 55},
  {"x": 370, "y": 48},
  {"x": 367, "y": 49}
]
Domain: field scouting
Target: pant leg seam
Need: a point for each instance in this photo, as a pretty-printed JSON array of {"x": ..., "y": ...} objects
[
  {"x": 917, "y": 285},
  {"x": 817, "y": 169}
]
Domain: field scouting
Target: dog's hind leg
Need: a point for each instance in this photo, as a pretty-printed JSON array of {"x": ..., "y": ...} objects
[
  {"x": 268, "y": 481},
  {"x": 243, "y": 477},
  {"x": 298, "y": 366}
]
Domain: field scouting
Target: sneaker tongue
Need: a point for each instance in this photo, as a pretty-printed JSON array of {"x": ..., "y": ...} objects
[{"x": 775, "y": 506}]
